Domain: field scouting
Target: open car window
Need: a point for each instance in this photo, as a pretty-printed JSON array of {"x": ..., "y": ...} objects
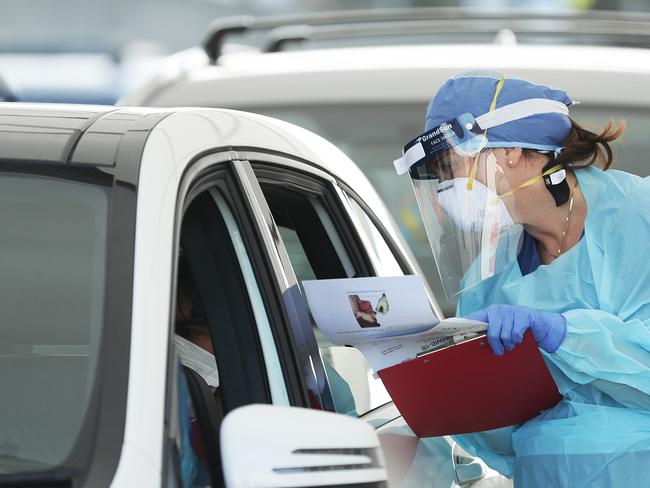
[
  {"x": 220, "y": 309},
  {"x": 322, "y": 243}
]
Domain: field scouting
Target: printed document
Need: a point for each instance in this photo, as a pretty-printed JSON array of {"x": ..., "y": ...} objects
[{"x": 390, "y": 320}]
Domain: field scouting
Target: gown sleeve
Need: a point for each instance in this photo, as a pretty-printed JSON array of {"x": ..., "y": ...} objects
[{"x": 609, "y": 348}]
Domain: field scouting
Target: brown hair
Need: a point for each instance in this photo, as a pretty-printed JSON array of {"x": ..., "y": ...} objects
[{"x": 583, "y": 148}]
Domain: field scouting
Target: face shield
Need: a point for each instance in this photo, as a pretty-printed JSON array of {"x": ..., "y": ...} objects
[{"x": 472, "y": 230}]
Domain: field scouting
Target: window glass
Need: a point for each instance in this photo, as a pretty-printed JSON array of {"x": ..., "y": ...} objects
[
  {"x": 297, "y": 254},
  {"x": 220, "y": 307},
  {"x": 383, "y": 257},
  {"x": 271, "y": 360},
  {"x": 333, "y": 237},
  {"x": 222, "y": 334},
  {"x": 317, "y": 251},
  {"x": 52, "y": 283}
]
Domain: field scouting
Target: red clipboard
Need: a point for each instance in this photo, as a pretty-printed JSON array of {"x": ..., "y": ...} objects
[{"x": 467, "y": 388}]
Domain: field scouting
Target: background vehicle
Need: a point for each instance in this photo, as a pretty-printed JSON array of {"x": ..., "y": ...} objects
[
  {"x": 6, "y": 95},
  {"x": 96, "y": 204},
  {"x": 363, "y": 79}
]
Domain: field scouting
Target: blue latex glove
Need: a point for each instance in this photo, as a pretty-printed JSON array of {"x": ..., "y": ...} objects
[{"x": 507, "y": 324}]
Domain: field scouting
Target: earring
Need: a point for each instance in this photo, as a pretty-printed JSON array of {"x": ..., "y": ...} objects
[{"x": 510, "y": 162}]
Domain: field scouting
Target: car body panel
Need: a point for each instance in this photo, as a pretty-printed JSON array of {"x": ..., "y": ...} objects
[{"x": 603, "y": 75}]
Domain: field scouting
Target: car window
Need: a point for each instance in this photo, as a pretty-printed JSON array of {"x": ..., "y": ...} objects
[
  {"x": 318, "y": 249},
  {"x": 227, "y": 303},
  {"x": 383, "y": 257},
  {"x": 53, "y": 252},
  {"x": 269, "y": 351},
  {"x": 221, "y": 327}
]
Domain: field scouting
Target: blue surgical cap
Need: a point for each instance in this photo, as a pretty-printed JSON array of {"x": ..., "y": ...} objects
[{"x": 473, "y": 93}]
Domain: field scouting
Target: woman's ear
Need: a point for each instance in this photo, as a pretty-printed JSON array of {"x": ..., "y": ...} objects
[{"x": 513, "y": 156}]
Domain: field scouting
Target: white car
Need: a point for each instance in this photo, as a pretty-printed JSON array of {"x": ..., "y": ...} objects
[
  {"x": 363, "y": 80},
  {"x": 98, "y": 205}
]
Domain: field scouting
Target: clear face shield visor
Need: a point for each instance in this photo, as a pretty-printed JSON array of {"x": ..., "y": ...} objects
[{"x": 472, "y": 230}]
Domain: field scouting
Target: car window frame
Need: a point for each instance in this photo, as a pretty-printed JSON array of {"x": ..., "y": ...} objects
[
  {"x": 220, "y": 170},
  {"x": 340, "y": 216},
  {"x": 264, "y": 160},
  {"x": 348, "y": 194},
  {"x": 308, "y": 367}
]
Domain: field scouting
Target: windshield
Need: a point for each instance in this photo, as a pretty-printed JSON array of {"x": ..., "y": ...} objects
[
  {"x": 373, "y": 136},
  {"x": 52, "y": 269}
]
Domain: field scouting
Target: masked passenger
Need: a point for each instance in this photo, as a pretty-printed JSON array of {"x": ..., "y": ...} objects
[
  {"x": 529, "y": 231},
  {"x": 192, "y": 338},
  {"x": 195, "y": 351}
]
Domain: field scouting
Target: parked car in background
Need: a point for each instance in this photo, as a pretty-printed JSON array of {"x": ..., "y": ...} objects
[
  {"x": 98, "y": 205},
  {"x": 6, "y": 94},
  {"x": 363, "y": 80}
]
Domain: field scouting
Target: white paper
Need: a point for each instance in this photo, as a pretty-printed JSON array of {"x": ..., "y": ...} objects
[{"x": 390, "y": 320}]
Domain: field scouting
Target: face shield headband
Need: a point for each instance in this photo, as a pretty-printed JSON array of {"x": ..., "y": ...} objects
[{"x": 468, "y": 134}]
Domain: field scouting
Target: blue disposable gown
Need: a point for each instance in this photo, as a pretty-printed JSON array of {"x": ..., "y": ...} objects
[{"x": 599, "y": 434}]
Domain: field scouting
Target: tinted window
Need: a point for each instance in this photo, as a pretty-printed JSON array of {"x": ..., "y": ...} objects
[
  {"x": 52, "y": 264},
  {"x": 317, "y": 250},
  {"x": 224, "y": 336}
]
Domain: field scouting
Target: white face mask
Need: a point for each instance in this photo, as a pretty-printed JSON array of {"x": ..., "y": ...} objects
[
  {"x": 197, "y": 359},
  {"x": 469, "y": 209}
]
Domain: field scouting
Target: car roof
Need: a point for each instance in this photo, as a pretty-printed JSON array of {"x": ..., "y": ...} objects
[
  {"x": 247, "y": 132},
  {"x": 90, "y": 135},
  {"x": 393, "y": 74}
]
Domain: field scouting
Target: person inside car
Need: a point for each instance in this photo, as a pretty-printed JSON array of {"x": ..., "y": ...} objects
[
  {"x": 195, "y": 352},
  {"x": 192, "y": 338},
  {"x": 530, "y": 229}
]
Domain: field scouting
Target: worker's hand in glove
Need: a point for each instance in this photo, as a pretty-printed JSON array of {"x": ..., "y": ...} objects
[{"x": 508, "y": 323}]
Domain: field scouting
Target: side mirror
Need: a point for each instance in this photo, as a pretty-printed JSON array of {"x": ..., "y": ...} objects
[{"x": 269, "y": 446}]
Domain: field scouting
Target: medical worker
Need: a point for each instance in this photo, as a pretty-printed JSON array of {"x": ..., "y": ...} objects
[{"x": 530, "y": 229}]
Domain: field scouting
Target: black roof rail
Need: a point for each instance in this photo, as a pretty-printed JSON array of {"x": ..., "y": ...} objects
[
  {"x": 353, "y": 23},
  {"x": 627, "y": 32},
  {"x": 280, "y": 36},
  {"x": 223, "y": 27}
]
